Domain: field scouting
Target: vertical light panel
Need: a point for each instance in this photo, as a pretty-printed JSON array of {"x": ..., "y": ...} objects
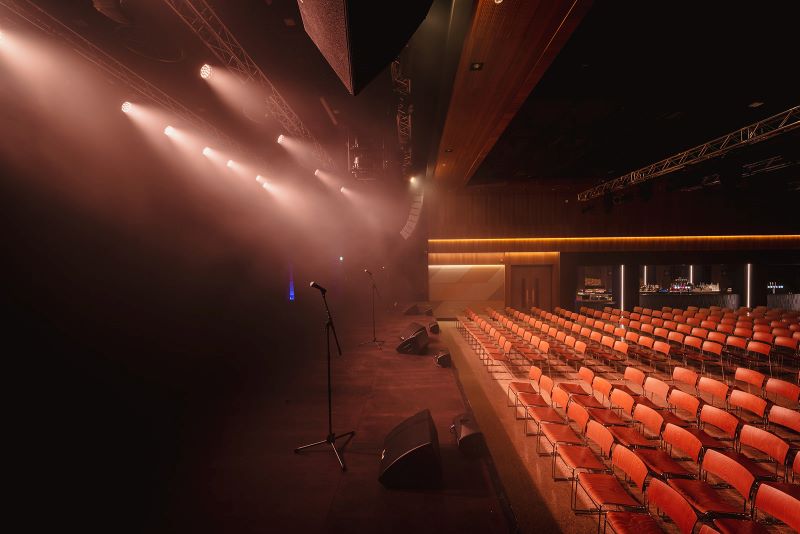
[
  {"x": 691, "y": 274},
  {"x": 748, "y": 275},
  {"x": 645, "y": 275},
  {"x": 621, "y": 287}
]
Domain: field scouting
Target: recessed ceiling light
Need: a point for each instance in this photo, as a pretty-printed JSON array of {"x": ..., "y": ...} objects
[
  {"x": 755, "y": 104},
  {"x": 475, "y": 65},
  {"x": 448, "y": 150}
]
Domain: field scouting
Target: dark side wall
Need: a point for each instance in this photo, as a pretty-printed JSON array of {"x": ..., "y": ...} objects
[{"x": 519, "y": 211}]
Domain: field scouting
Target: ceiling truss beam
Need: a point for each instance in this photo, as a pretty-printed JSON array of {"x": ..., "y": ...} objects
[{"x": 754, "y": 133}]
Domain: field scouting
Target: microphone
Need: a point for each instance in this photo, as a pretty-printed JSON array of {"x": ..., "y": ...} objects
[
  {"x": 366, "y": 271},
  {"x": 317, "y": 286}
]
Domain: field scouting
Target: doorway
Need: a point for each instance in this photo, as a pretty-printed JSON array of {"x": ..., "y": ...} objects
[{"x": 531, "y": 285}]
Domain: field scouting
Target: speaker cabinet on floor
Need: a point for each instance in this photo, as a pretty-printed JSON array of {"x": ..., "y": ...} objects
[
  {"x": 469, "y": 436},
  {"x": 433, "y": 326},
  {"x": 443, "y": 359},
  {"x": 410, "y": 456},
  {"x": 414, "y": 340},
  {"x": 358, "y": 38}
]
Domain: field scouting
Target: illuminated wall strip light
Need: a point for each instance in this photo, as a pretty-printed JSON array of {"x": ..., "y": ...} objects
[
  {"x": 749, "y": 273},
  {"x": 469, "y": 266},
  {"x": 691, "y": 274},
  {"x": 621, "y": 287},
  {"x": 645, "y": 275},
  {"x": 616, "y": 238}
]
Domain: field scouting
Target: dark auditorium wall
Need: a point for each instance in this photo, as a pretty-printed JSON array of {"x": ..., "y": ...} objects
[{"x": 519, "y": 211}]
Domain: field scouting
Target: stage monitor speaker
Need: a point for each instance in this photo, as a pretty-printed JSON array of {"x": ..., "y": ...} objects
[
  {"x": 433, "y": 326},
  {"x": 414, "y": 340},
  {"x": 358, "y": 38},
  {"x": 410, "y": 456},
  {"x": 469, "y": 437},
  {"x": 442, "y": 358}
]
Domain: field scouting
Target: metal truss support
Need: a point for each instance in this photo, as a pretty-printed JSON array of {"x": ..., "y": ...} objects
[
  {"x": 754, "y": 133},
  {"x": 45, "y": 22},
  {"x": 204, "y": 22},
  {"x": 402, "y": 87}
]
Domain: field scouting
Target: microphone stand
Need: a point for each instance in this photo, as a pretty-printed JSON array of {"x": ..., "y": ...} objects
[
  {"x": 375, "y": 341},
  {"x": 331, "y": 438}
]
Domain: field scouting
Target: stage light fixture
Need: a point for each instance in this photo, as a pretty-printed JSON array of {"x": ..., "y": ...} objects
[
  {"x": 260, "y": 179},
  {"x": 317, "y": 173},
  {"x": 342, "y": 189},
  {"x": 169, "y": 131},
  {"x": 281, "y": 139},
  {"x": 206, "y": 71},
  {"x": 413, "y": 180},
  {"x": 127, "y": 107},
  {"x": 266, "y": 185},
  {"x": 230, "y": 164},
  {"x": 206, "y": 151},
  {"x": 341, "y": 258}
]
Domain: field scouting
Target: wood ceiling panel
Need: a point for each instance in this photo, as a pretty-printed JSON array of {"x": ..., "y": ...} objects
[{"x": 516, "y": 41}]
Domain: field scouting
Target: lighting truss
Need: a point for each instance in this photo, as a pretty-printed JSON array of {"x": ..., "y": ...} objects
[
  {"x": 45, "y": 22},
  {"x": 402, "y": 86},
  {"x": 204, "y": 22},
  {"x": 754, "y": 133}
]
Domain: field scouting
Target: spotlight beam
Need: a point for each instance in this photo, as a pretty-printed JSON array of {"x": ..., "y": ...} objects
[
  {"x": 51, "y": 25},
  {"x": 205, "y": 23}
]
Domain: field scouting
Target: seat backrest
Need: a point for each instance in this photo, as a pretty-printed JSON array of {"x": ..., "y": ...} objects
[
  {"x": 676, "y": 337},
  {"x": 619, "y": 332},
  {"x": 635, "y": 324},
  {"x": 760, "y": 327},
  {"x": 569, "y": 341},
  {"x": 670, "y": 325},
  {"x": 656, "y": 387},
  {"x": 621, "y": 346},
  {"x": 693, "y": 342},
  {"x": 622, "y": 400},
  {"x": 560, "y": 397},
  {"x": 647, "y": 328},
  {"x": 634, "y": 375},
  {"x": 708, "y": 325},
  {"x": 686, "y": 376},
  {"x": 561, "y": 336},
  {"x": 579, "y": 414},
  {"x": 602, "y": 386},
  {"x": 661, "y": 333},
  {"x": 785, "y": 417},
  {"x": 700, "y": 332},
  {"x": 661, "y": 347},
  {"x": 748, "y": 401},
  {"x": 544, "y": 347},
  {"x": 633, "y": 337},
  {"x": 748, "y": 376},
  {"x": 651, "y": 420},
  {"x": 786, "y": 342},
  {"x": 684, "y": 401},
  {"x": 580, "y": 347},
  {"x": 646, "y": 342},
  {"x": 730, "y": 471},
  {"x": 778, "y": 504},
  {"x": 601, "y": 436},
  {"x": 630, "y": 464},
  {"x": 607, "y": 341},
  {"x": 764, "y": 441},
  {"x": 712, "y": 347},
  {"x": 586, "y": 375},
  {"x": 535, "y": 373},
  {"x": 684, "y": 329},
  {"x": 782, "y": 388},
  {"x": 546, "y": 384},
  {"x": 671, "y": 503},
  {"x": 715, "y": 388},
  {"x": 596, "y": 336},
  {"x": 720, "y": 419},
  {"x": 762, "y": 337},
  {"x": 743, "y": 332},
  {"x": 717, "y": 337},
  {"x": 684, "y": 441},
  {"x": 736, "y": 342}
]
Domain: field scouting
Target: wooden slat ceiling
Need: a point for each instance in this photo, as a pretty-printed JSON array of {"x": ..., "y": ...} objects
[{"x": 516, "y": 41}]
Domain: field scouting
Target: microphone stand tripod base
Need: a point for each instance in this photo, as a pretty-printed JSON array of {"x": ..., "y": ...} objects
[{"x": 330, "y": 440}]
